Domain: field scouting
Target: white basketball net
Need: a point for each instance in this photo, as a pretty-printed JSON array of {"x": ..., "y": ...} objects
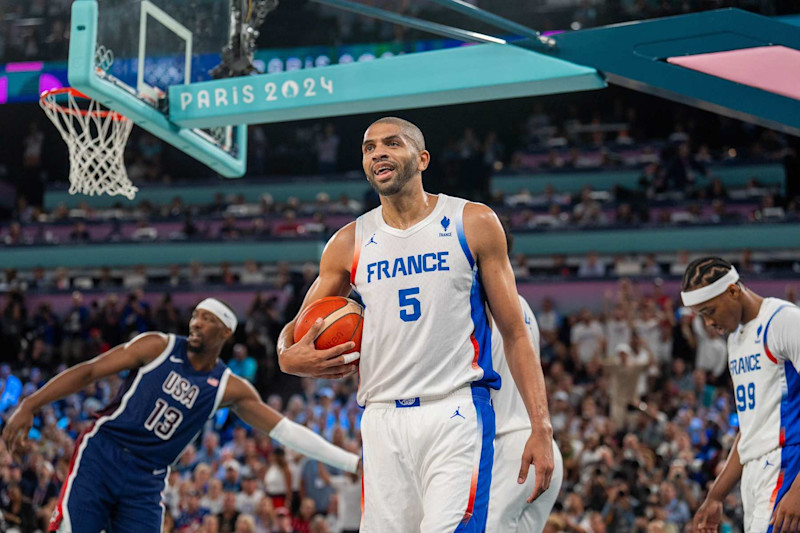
[{"x": 96, "y": 140}]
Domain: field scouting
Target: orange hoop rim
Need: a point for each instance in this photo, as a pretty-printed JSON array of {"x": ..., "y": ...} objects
[{"x": 45, "y": 101}]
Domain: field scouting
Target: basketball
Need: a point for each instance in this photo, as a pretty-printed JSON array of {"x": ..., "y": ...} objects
[{"x": 343, "y": 321}]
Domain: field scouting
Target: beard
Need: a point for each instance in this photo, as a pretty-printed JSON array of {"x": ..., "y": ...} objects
[
  {"x": 196, "y": 349},
  {"x": 403, "y": 174}
]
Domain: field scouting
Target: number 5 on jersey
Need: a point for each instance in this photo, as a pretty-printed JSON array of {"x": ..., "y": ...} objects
[{"x": 407, "y": 301}]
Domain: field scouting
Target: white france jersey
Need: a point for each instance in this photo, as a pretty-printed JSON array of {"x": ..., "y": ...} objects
[
  {"x": 763, "y": 359},
  {"x": 509, "y": 409},
  {"x": 426, "y": 332}
]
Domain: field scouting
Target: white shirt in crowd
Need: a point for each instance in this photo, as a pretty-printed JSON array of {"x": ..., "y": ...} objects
[
  {"x": 275, "y": 480},
  {"x": 247, "y": 503},
  {"x": 587, "y": 339},
  {"x": 712, "y": 350},
  {"x": 617, "y": 332},
  {"x": 349, "y": 512}
]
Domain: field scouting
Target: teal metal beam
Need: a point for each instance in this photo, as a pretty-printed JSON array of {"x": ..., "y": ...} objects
[
  {"x": 634, "y": 55},
  {"x": 503, "y": 23},
  {"x": 411, "y": 22},
  {"x": 443, "y": 77}
]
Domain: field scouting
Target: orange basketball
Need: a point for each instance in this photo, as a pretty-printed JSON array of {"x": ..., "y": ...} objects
[{"x": 343, "y": 320}]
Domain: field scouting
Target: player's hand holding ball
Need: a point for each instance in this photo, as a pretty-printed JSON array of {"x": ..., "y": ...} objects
[{"x": 327, "y": 339}]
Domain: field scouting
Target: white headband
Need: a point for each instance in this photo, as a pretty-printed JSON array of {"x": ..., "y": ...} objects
[
  {"x": 704, "y": 294},
  {"x": 219, "y": 310}
]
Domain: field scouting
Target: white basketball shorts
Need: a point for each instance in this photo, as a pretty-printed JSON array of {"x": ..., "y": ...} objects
[
  {"x": 509, "y": 512},
  {"x": 764, "y": 482},
  {"x": 428, "y": 463}
]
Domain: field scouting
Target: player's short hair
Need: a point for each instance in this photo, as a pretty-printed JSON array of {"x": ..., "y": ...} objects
[
  {"x": 704, "y": 271},
  {"x": 410, "y": 130}
]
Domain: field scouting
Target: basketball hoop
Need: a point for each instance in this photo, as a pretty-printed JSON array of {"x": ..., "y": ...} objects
[{"x": 96, "y": 140}]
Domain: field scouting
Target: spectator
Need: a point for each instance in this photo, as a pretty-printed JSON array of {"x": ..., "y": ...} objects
[
  {"x": 18, "y": 512},
  {"x": 328, "y": 150},
  {"x": 252, "y": 274},
  {"x": 135, "y": 317},
  {"x": 248, "y": 500},
  {"x": 144, "y": 232},
  {"x": 678, "y": 514},
  {"x": 302, "y": 522},
  {"x": 710, "y": 348},
  {"x": 135, "y": 279},
  {"x": 265, "y": 516},
  {"x": 284, "y": 520},
  {"x": 231, "y": 478},
  {"x": 288, "y": 225},
  {"x": 245, "y": 524},
  {"x": 214, "y": 498},
  {"x": 624, "y": 370},
  {"x": 79, "y": 234},
  {"x": 591, "y": 267},
  {"x": 192, "y": 514},
  {"x": 76, "y": 329},
  {"x": 586, "y": 337},
  {"x": 278, "y": 479},
  {"x": 209, "y": 451},
  {"x": 229, "y": 515},
  {"x": 348, "y": 498}
]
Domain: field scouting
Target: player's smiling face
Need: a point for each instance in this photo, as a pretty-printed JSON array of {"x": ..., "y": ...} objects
[
  {"x": 390, "y": 159},
  {"x": 205, "y": 329}
]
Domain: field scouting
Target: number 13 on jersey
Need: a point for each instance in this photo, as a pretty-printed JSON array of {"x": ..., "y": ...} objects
[{"x": 410, "y": 309}]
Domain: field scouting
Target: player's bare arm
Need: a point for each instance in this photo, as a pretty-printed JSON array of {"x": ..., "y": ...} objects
[
  {"x": 303, "y": 359},
  {"x": 243, "y": 398},
  {"x": 708, "y": 517},
  {"x": 138, "y": 352},
  {"x": 487, "y": 243}
]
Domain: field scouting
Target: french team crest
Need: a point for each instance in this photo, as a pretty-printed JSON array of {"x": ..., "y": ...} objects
[{"x": 445, "y": 222}]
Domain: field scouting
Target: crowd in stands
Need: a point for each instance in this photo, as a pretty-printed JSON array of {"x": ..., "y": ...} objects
[
  {"x": 661, "y": 198},
  {"x": 638, "y": 389}
]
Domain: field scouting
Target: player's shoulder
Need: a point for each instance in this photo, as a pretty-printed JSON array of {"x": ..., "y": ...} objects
[
  {"x": 477, "y": 210},
  {"x": 150, "y": 340},
  {"x": 148, "y": 346},
  {"x": 482, "y": 219},
  {"x": 342, "y": 240},
  {"x": 780, "y": 313}
]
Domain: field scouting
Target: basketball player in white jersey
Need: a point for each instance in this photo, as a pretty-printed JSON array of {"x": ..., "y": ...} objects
[
  {"x": 763, "y": 359},
  {"x": 508, "y": 511},
  {"x": 426, "y": 366}
]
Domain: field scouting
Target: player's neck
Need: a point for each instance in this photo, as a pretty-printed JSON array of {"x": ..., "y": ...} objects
[
  {"x": 751, "y": 306},
  {"x": 203, "y": 361},
  {"x": 408, "y": 207}
]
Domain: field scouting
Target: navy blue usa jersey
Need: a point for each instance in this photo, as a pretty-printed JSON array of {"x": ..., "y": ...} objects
[{"x": 163, "y": 405}]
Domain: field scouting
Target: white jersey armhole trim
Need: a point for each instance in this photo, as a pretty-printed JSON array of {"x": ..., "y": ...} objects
[
  {"x": 223, "y": 384},
  {"x": 357, "y": 243},
  {"x": 163, "y": 355}
]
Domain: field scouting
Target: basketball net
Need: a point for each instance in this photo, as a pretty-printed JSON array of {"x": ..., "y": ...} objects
[{"x": 96, "y": 140}]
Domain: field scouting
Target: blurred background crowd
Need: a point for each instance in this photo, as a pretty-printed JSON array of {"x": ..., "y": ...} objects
[{"x": 638, "y": 390}]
